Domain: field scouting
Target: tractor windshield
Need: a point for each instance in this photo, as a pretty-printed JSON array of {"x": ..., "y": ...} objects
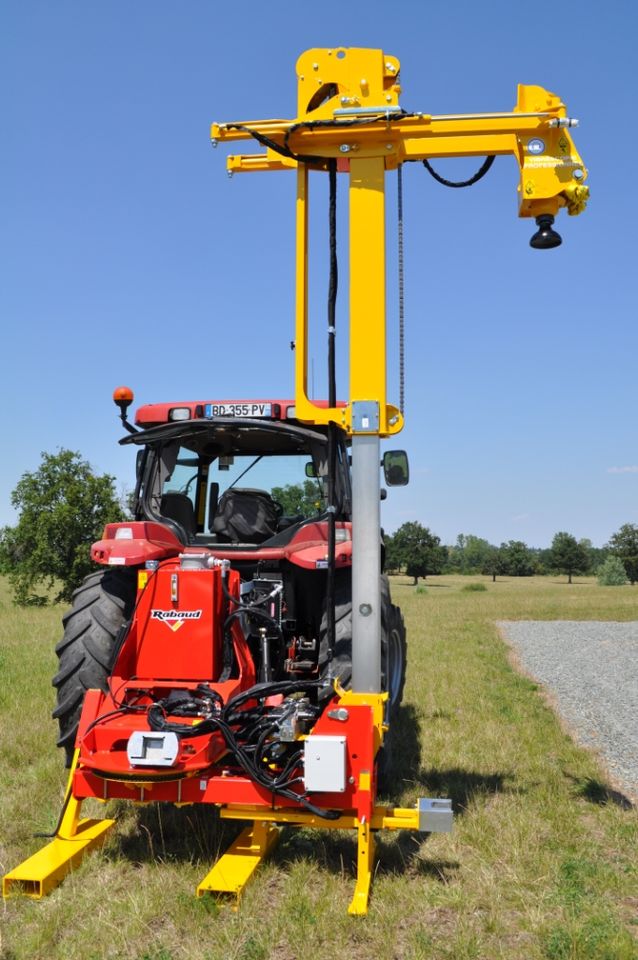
[{"x": 231, "y": 482}]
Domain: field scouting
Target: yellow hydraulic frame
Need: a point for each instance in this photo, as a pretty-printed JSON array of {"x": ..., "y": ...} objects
[{"x": 348, "y": 111}]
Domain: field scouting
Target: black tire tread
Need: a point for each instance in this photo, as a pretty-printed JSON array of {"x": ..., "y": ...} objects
[{"x": 100, "y": 607}]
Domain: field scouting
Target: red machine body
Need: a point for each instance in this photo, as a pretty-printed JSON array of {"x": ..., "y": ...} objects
[{"x": 213, "y": 620}]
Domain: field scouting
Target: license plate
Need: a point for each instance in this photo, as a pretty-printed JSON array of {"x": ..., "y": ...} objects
[{"x": 238, "y": 410}]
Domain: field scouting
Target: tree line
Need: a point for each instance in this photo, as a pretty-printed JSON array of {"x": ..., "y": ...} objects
[{"x": 418, "y": 552}]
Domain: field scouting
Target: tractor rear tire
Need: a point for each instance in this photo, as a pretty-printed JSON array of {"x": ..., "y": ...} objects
[
  {"x": 393, "y": 641},
  {"x": 393, "y": 668},
  {"x": 393, "y": 650},
  {"x": 341, "y": 664},
  {"x": 101, "y": 606}
]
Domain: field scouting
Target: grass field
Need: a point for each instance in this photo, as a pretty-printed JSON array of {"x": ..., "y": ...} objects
[{"x": 541, "y": 864}]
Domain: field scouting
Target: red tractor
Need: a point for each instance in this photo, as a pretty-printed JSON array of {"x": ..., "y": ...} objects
[
  {"x": 209, "y": 660},
  {"x": 204, "y": 645}
]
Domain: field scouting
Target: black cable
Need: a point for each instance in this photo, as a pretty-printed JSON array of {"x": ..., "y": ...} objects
[
  {"x": 286, "y": 151},
  {"x": 333, "y": 281},
  {"x": 401, "y": 289},
  {"x": 480, "y": 173}
]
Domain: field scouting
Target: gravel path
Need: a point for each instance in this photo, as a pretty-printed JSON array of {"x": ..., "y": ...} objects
[{"x": 591, "y": 668}]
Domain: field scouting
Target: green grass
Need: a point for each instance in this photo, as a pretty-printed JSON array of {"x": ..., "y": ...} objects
[
  {"x": 476, "y": 586},
  {"x": 541, "y": 864}
]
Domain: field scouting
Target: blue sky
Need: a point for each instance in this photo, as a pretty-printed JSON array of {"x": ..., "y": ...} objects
[{"x": 129, "y": 257}]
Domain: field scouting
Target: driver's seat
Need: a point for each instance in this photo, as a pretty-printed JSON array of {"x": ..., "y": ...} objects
[{"x": 246, "y": 516}]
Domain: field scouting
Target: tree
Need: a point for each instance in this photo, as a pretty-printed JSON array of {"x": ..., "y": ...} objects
[
  {"x": 469, "y": 554},
  {"x": 518, "y": 560},
  {"x": 63, "y": 507},
  {"x": 624, "y": 544},
  {"x": 568, "y": 556},
  {"x": 417, "y": 549},
  {"x": 495, "y": 563},
  {"x": 299, "y": 499},
  {"x": 612, "y": 573}
]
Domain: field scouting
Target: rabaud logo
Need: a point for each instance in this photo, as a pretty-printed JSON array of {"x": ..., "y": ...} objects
[{"x": 175, "y": 618}]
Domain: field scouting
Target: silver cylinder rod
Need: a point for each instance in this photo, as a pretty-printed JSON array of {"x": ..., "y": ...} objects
[{"x": 366, "y": 564}]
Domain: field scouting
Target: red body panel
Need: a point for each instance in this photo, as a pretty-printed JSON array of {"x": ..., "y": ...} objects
[
  {"x": 143, "y": 540},
  {"x": 176, "y": 639},
  {"x": 153, "y": 541},
  {"x": 308, "y": 548}
]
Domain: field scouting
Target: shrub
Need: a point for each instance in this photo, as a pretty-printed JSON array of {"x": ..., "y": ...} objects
[
  {"x": 63, "y": 507},
  {"x": 612, "y": 573},
  {"x": 475, "y": 587}
]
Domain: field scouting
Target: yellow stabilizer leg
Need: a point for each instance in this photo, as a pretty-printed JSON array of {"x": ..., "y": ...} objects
[
  {"x": 365, "y": 863},
  {"x": 42, "y": 872},
  {"x": 234, "y": 869}
]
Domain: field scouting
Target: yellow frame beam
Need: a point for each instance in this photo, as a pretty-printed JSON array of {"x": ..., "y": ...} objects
[
  {"x": 235, "y": 868},
  {"x": 40, "y": 874}
]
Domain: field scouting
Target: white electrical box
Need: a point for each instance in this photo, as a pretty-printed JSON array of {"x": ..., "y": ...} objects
[{"x": 325, "y": 764}]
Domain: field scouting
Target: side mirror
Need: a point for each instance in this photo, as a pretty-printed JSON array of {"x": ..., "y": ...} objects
[
  {"x": 311, "y": 470},
  {"x": 396, "y": 469}
]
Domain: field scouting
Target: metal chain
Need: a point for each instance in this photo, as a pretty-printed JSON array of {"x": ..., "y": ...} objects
[{"x": 401, "y": 307}]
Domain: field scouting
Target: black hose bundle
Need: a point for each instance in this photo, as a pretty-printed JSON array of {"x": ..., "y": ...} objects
[{"x": 249, "y": 734}]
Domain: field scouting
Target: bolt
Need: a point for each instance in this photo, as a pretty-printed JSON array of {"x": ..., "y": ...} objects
[
  {"x": 365, "y": 609},
  {"x": 350, "y": 779},
  {"x": 345, "y": 148},
  {"x": 388, "y": 98},
  {"x": 578, "y": 174},
  {"x": 230, "y": 174},
  {"x": 390, "y": 67},
  {"x": 345, "y": 100},
  {"x": 315, "y": 66},
  {"x": 388, "y": 146},
  {"x": 213, "y": 142}
]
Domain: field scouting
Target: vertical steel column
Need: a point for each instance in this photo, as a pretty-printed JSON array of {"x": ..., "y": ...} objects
[
  {"x": 368, "y": 408},
  {"x": 366, "y": 565}
]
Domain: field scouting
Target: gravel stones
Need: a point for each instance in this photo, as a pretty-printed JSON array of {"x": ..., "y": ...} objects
[{"x": 591, "y": 669}]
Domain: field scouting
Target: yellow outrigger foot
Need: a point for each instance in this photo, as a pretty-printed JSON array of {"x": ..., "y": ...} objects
[
  {"x": 47, "y": 868},
  {"x": 234, "y": 869}
]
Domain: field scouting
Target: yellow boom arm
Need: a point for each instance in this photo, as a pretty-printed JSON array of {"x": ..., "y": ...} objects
[{"x": 348, "y": 109}]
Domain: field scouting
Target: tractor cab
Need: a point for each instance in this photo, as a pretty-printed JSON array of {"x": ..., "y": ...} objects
[{"x": 244, "y": 483}]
